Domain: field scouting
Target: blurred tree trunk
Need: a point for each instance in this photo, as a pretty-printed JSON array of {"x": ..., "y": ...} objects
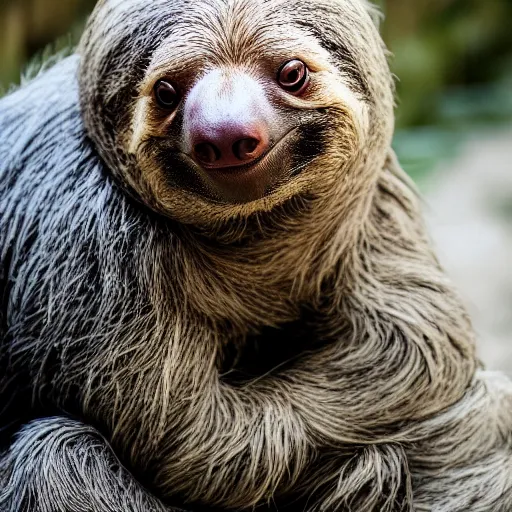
[{"x": 26, "y": 26}]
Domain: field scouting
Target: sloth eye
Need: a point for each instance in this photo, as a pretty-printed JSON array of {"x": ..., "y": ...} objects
[
  {"x": 293, "y": 76},
  {"x": 165, "y": 94}
]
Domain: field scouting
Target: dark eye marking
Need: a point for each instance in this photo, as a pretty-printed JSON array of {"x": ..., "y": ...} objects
[{"x": 345, "y": 60}]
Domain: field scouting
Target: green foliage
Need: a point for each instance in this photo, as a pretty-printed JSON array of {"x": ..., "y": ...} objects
[{"x": 440, "y": 45}]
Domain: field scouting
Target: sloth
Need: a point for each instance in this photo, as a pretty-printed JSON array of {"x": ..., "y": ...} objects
[{"x": 217, "y": 291}]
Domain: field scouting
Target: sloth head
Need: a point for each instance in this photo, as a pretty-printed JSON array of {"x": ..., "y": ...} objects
[{"x": 214, "y": 109}]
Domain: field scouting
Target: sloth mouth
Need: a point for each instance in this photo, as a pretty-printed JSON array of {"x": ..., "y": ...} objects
[
  {"x": 252, "y": 181},
  {"x": 230, "y": 170}
]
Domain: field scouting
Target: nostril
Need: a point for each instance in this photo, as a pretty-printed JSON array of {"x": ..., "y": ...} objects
[
  {"x": 207, "y": 153},
  {"x": 244, "y": 148}
]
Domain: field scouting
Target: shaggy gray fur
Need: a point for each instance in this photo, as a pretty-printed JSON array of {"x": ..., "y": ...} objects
[{"x": 140, "y": 323}]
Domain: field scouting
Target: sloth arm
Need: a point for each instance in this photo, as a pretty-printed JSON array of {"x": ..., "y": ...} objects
[
  {"x": 402, "y": 345},
  {"x": 61, "y": 464},
  {"x": 373, "y": 384}
]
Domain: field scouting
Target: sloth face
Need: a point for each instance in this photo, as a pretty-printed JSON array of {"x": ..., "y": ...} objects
[
  {"x": 228, "y": 133},
  {"x": 234, "y": 106}
]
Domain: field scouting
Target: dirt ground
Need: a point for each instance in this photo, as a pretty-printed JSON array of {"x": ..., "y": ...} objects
[{"x": 469, "y": 210}]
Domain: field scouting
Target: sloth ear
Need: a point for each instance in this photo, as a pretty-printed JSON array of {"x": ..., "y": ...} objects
[{"x": 375, "y": 12}]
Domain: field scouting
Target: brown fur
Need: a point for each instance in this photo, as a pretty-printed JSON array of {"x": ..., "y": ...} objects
[{"x": 378, "y": 387}]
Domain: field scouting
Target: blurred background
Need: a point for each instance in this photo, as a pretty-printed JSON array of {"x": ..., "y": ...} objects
[{"x": 453, "y": 59}]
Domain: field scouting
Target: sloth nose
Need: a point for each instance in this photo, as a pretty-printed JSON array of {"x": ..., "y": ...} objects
[{"x": 228, "y": 143}]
